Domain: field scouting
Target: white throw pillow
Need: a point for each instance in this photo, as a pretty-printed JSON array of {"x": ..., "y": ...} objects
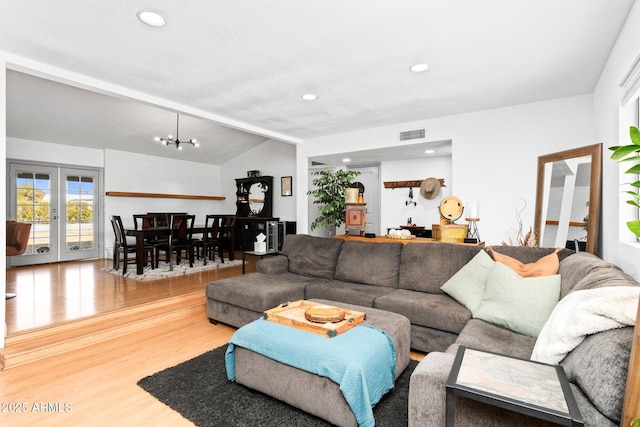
[
  {"x": 520, "y": 304},
  {"x": 467, "y": 285}
]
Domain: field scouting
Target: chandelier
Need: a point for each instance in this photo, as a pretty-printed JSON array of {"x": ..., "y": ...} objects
[{"x": 169, "y": 139}]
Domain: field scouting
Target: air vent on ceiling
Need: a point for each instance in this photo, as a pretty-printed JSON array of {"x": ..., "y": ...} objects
[{"x": 412, "y": 135}]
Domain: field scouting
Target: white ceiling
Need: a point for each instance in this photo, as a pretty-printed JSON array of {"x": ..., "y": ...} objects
[{"x": 246, "y": 64}]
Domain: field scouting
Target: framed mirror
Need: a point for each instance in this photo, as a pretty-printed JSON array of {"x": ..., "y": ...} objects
[
  {"x": 568, "y": 198},
  {"x": 257, "y": 197}
]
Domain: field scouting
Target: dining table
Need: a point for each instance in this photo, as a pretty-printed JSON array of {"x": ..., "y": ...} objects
[{"x": 142, "y": 233}]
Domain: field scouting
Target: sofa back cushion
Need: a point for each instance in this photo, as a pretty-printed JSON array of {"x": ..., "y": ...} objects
[
  {"x": 312, "y": 256},
  {"x": 586, "y": 271},
  {"x": 425, "y": 267},
  {"x": 369, "y": 263},
  {"x": 599, "y": 367}
]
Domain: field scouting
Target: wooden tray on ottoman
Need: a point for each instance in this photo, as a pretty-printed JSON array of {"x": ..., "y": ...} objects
[{"x": 293, "y": 314}]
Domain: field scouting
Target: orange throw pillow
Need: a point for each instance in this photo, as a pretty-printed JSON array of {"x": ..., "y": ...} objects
[{"x": 546, "y": 266}]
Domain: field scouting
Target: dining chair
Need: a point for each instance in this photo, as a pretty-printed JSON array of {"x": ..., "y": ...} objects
[
  {"x": 210, "y": 239},
  {"x": 227, "y": 236},
  {"x": 180, "y": 239},
  {"x": 128, "y": 250}
]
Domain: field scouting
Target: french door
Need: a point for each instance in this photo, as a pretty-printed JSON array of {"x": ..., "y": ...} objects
[{"x": 62, "y": 206}]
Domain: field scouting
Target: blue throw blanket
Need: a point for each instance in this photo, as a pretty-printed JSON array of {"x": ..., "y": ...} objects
[{"x": 362, "y": 360}]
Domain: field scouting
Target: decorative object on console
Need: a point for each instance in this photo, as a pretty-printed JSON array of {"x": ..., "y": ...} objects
[
  {"x": 351, "y": 195},
  {"x": 253, "y": 174},
  {"x": 517, "y": 238},
  {"x": 451, "y": 209},
  {"x": 355, "y": 218},
  {"x": 169, "y": 140},
  {"x": 329, "y": 194},
  {"x": 473, "y": 216}
]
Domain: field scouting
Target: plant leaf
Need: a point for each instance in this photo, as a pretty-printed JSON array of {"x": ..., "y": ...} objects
[
  {"x": 634, "y": 226},
  {"x": 630, "y": 159},
  {"x": 624, "y": 151},
  {"x": 633, "y": 194},
  {"x": 633, "y": 203},
  {"x": 634, "y": 133},
  {"x": 633, "y": 169},
  {"x": 635, "y": 184}
]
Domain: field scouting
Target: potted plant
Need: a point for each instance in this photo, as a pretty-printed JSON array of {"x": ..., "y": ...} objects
[
  {"x": 631, "y": 153},
  {"x": 329, "y": 194}
]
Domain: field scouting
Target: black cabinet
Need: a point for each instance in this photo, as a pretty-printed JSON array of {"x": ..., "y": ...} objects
[
  {"x": 254, "y": 197},
  {"x": 247, "y": 228}
]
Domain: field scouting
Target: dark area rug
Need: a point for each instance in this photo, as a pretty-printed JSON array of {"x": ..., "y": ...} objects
[{"x": 199, "y": 390}]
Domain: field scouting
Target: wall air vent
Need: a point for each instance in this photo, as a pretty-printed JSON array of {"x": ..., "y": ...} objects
[{"x": 412, "y": 135}]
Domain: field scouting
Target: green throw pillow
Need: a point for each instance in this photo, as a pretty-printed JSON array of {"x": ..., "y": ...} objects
[
  {"x": 520, "y": 304},
  {"x": 467, "y": 285}
]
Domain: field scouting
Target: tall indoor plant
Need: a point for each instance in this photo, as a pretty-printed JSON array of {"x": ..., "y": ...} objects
[
  {"x": 631, "y": 153},
  {"x": 329, "y": 191}
]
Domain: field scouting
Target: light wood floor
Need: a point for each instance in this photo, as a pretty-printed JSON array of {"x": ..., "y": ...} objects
[
  {"x": 56, "y": 293},
  {"x": 97, "y": 385}
]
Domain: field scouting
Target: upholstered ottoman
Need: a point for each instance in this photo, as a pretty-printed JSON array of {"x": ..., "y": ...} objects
[{"x": 312, "y": 393}]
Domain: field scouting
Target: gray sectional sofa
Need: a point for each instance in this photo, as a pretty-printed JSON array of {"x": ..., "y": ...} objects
[{"x": 407, "y": 279}]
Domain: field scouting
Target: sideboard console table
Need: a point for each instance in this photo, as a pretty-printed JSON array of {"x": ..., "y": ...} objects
[{"x": 380, "y": 239}]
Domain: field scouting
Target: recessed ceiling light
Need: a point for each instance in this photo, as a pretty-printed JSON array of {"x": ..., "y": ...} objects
[
  {"x": 309, "y": 97},
  {"x": 429, "y": 151},
  {"x": 346, "y": 160},
  {"x": 418, "y": 68},
  {"x": 151, "y": 18}
]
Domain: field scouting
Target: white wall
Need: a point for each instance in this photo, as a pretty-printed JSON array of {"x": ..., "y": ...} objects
[
  {"x": 272, "y": 158},
  {"x": 393, "y": 201},
  {"x": 612, "y": 128},
  {"x": 494, "y": 157},
  {"x": 148, "y": 174}
]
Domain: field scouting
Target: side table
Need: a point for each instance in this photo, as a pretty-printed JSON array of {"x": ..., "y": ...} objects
[
  {"x": 254, "y": 253},
  {"x": 531, "y": 388}
]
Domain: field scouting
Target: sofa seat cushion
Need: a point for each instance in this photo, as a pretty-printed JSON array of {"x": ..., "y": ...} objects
[
  {"x": 599, "y": 366},
  {"x": 426, "y": 267},
  {"x": 486, "y": 336},
  {"x": 437, "y": 311},
  {"x": 347, "y": 292},
  {"x": 369, "y": 263},
  {"x": 258, "y": 292},
  {"x": 312, "y": 256}
]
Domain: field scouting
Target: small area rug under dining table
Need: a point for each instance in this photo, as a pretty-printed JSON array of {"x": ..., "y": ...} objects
[
  {"x": 178, "y": 269},
  {"x": 199, "y": 390}
]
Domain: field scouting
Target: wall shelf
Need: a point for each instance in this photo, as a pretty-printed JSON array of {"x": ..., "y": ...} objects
[
  {"x": 408, "y": 184},
  {"x": 162, "y": 196}
]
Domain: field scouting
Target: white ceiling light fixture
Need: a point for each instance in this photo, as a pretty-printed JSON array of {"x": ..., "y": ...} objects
[
  {"x": 309, "y": 97},
  {"x": 418, "y": 68},
  {"x": 169, "y": 140},
  {"x": 151, "y": 18},
  {"x": 429, "y": 151},
  {"x": 346, "y": 160}
]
